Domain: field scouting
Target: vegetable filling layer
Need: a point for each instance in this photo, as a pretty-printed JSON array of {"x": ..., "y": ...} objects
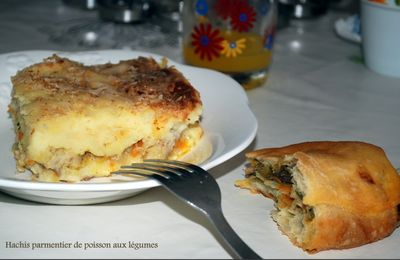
[{"x": 282, "y": 182}]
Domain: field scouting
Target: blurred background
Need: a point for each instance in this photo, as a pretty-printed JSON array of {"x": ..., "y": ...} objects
[{"x": 146, "y": 25}]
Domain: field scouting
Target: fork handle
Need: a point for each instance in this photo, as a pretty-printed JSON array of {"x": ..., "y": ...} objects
[{"x": 235, "y": 243}]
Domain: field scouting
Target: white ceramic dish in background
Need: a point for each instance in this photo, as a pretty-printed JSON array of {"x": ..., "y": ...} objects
[
  {"x": 349, "y": 28},
  {"x": 227, "y": 120},
  {"x": 381, "y": 37}
]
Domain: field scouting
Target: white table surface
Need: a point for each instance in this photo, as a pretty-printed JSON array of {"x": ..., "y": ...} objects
[{"x": 316, "y": 91}]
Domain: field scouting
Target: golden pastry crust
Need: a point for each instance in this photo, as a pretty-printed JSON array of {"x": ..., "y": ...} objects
[
  {"x": 343, "y": 174},
  {"x": 351, "y": 188},
  {"x": 337, "y": 228}
]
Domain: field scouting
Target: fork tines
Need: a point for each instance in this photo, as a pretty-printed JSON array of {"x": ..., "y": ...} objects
[{"x": 163, "y": 168}]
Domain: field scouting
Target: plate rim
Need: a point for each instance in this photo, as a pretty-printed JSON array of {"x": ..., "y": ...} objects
[{"x": 137, "y": 184}]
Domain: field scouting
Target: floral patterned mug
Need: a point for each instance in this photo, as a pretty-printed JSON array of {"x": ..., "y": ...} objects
[{"x": 232, "y": 36}]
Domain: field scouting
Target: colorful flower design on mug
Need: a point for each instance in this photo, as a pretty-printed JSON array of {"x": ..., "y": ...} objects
[
  {"x": 243, "y": 17},
  {"x": 378, "y": 1},
  {"x": 269, "y": 36},
  {"x": 225, "y": 8},
  {"x": 233, "y": 48},
  {"x": 201, "y": 7},
  {"x": 263, "y": 8},
  {"x": 206, "y": 41}
]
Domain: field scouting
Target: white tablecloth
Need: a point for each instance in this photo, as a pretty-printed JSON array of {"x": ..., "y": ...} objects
[{"x": 317, "y": 90}]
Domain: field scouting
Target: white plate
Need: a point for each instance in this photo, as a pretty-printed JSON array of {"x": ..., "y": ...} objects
[{"x": 227, "y": 120}]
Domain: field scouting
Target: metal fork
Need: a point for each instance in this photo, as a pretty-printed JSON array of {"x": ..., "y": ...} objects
[{"x": 196, "y": 187}]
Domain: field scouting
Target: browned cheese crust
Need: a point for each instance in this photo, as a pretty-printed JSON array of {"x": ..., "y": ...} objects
[
  {"x": 54, "y": 83},
  {"x": 351, "y": 187}
]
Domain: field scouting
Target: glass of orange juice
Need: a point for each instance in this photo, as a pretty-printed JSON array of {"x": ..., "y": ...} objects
[{"x": 232, "y": 36}]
